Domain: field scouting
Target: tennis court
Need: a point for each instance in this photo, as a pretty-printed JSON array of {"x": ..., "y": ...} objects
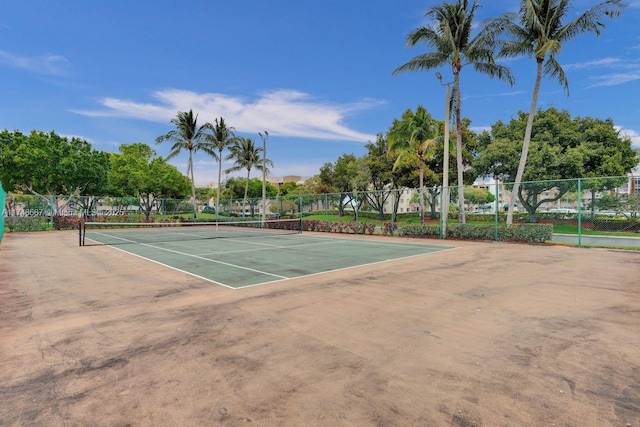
[
  {"x": 490, "y": 334},
  {"x": 237, "y": 255}
]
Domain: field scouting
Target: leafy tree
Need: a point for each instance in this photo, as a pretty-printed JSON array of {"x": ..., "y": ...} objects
[
  {"x": 49, "y": 165},
  {"x": 380, "y": 173},
  {"x": 478, "y": 196},
  {"x": 450, "y": 36},
  {"x": 203, "y": 194},
  {"x": 561, "y": 150},
  {"x": 254, "y": 190},
  {"x": 246, "y": 156},
  {"x": 607, "y": 157},
  {"x": 187, "y": 136},
  {"x": 288, "y": 187},
  {"x": 220, "y": 139},
  {"x": 338, "y": 178},
  {"x": 136, "y": 171},
  {"x": 538, "y": 30},
  {"x": 415, "y": 133},
  {"x": 284, "y": 206}
]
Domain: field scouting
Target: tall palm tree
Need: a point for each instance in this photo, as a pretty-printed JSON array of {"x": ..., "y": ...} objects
[
  {"x": 538, "y": 31},
  {"x": 450, "y": 36},
  {"x": 246, "y": 155},
  {"x": 186, "y": 136},
  {"x": 221, "y": 138},
  {"x": 414, "y": 134}
]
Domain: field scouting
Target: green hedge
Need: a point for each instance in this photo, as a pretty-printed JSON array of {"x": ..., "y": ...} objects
[
  {"x": 350, "y": 227},
  {"x": 27, "y": 223},
  {"x": 528, "y": 233}
]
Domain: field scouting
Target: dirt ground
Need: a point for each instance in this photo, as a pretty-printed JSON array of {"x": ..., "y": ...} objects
[{"x": 489, "y": 334}]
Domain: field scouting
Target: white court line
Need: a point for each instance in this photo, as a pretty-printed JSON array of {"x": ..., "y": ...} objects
[
  {"x": 109, "y": 235},
  {"x": 270, "y": 247},
  {"x": 214, "y": 261},
  {"x": 347, "y": 268},
  {"x": 198, "y": 257},
  {"x": 280, "y": 278},
  {"x": 172, "y": 268}
]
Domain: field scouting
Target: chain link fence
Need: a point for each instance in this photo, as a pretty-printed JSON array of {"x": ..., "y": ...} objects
[{"x": 604, "y": 206}]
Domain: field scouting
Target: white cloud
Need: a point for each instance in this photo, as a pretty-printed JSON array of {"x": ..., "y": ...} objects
[
  {"x": 614, "y": 79},
  {"x": 493, "y": 95},
  {"x": 598, "y": 63},
  {"x": 285, "y": 113},
  {"x": 634, "y": 135},
  {"x": 46, "y": 64}
]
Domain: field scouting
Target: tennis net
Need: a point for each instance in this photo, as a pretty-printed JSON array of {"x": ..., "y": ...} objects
[{"x": 119, "y": 233}]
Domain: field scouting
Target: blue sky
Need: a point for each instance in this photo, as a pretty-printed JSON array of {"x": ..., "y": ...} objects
[{"x": 315, "y": 75}]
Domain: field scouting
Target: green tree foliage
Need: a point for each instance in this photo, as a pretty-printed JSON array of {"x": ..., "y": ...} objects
[
  {"x": 380, "y": 174},
  {"x": 136, "y": 171},
  {"x": 478, "y": 196},
  {"x": 284, "y": 206},
  {"x": 289, "y": 187},
  {"x": 561, "y": 149},
  {"x": 236, "y": 187},
  {"x": 449, "y": 35},
  {"x": 415, "y": 134},
  {"x": 47, "y": 163},
  {"x": 339, "y": 177},
  {"x": 539, "y": 31}
]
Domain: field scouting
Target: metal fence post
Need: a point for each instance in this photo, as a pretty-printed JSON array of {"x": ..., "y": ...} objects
[
  {"x": 497, "y": 213},
  {"x": 579, "y": 213}
]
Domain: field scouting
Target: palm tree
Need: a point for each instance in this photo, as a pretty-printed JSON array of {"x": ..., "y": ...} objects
[
  {"x": 538, "y": 31},
  {"x": 246, "y": 156},
  {"x": 221, "y": 138},
  {"x": 415, "y": 133},
  {"x": 450, "y": 37},
  {"x": 187, "y": 136}
]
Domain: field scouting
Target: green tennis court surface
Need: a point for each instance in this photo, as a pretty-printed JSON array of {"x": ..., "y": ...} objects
[{"x": 238, "y": 262}]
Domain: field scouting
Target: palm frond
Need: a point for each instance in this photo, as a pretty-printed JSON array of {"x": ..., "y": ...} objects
[
  {"x": 501, "y": 72},
  {"x": 427, "y": 61},
  {"x": 553, "y": 69}
]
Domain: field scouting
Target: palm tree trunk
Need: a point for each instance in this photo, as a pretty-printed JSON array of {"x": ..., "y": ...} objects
[
  {"x": 193, "y": 184},
  {"x": 219, "y": 178},
  {"x": 421, "y": 187},
  {"x": 444, "y": 209},
  {"x": 459, "y": 149},
  {"x": 246, "y": 191},
  {"x": 525, "y": 144}
]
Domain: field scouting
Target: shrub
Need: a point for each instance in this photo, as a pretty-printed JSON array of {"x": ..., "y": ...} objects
[
  {"x": 389, "y": 228},
  {"x": 27, "y": 223},
  {"x": 528, "y": 233},
  {"x": 66, "y": 222},
  {"x": 419, "y": 230},
  {"x": 314, "y": 225}
]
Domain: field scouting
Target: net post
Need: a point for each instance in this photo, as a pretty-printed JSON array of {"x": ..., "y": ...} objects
[{"x": 80, "y": 228}]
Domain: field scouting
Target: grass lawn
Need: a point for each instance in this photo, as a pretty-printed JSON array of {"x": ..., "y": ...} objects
[{"x": 573, "y": 229}]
